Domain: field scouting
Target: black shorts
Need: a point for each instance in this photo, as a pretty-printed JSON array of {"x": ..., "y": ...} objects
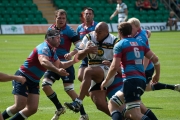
[
  {"x": 97, "y": 86},
  {"x": 66, "y": 79},
  {"x": 133, "y": 89},
  {"x": 149, "y": 74},
  {"x": 23, "y": 89}
]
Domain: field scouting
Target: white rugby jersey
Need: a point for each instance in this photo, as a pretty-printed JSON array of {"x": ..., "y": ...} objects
[
  {"x": 105, "y": 50},
  {"x": 121, "y": 9}
]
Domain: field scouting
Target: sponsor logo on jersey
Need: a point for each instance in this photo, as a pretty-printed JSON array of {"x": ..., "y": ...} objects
[{"x": 134, "y": 43}]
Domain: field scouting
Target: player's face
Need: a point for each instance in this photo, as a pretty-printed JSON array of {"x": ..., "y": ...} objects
[
  {"x": 119, "y": 1},
  {"x": 60, "y": 20},
  {"x": 134, "y": 30},
  {"x": 88, "y": 15},
  {"x": 100, "y": 35},
  {"x": 55, "y": 42}
]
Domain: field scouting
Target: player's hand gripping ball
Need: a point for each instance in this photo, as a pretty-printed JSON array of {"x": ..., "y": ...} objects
[{"x": 91, "y": 55}]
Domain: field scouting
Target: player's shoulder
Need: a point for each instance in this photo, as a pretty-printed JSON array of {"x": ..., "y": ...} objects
[
  {"x": 51, "y": 27},
  {"x": 90, "y": 35},
  {"x": 43, "y": 47},
  {"x": 80, "y": 26},
  {"x": 95, "y": 23},
  {"x": 124, "y": 5}
]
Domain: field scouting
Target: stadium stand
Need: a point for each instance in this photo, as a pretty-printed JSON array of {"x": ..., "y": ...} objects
[
  {"x": 103, "y": 10},
  {"x": 20, "y": 12},
  {"x": 27, "y": 11}
]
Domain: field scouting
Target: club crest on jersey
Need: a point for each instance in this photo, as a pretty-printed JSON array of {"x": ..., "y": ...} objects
[
  {"x": 134, "y": 43},
  {"x": 100, "y": 51}
]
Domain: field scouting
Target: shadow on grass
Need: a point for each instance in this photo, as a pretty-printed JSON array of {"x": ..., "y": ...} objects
[{"x": 154, "y": 108}]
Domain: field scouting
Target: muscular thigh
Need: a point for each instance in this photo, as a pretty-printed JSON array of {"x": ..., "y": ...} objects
[
  {"x": 33, "y": 101},
  {"x": 96, "y": 73},
  {"x": 98, "y": 96}
]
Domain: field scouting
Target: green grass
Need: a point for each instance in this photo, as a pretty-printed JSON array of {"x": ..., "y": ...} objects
[{"x": 14, "y": 49}]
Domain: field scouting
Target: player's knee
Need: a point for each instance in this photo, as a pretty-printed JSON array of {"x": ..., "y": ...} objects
[
  {"x": 46, "y": 85},
  {"x": 32, "y": 110},
  {"x": 130, "y": 106},
  {"x": 116, "y": 100},
  {"x": 88, "y": 71},
  {"x": 80, "y": 77},
  {"x": 19, "y": 107},
  {"x": 69, "y": 88},
  {"x": 100, "y": 105}
]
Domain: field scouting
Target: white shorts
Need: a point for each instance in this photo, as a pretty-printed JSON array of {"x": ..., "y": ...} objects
[
  {"x": 121, "y": 19},
  {"x": 105, "y": 69}
]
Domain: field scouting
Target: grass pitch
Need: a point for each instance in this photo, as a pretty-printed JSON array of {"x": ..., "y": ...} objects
[{"x": 14, "y": 49}]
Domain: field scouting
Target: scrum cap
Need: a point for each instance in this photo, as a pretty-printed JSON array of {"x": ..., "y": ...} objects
[{"x": 52, "y": 33}]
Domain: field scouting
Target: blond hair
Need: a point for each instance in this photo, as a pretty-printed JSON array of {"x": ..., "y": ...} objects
[{"x": 134, "y": 21}]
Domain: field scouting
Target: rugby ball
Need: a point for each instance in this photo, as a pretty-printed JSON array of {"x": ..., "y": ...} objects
[{"x": 91, "y": 55}]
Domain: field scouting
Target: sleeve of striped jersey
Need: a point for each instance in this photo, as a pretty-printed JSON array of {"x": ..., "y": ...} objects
[
  {"x": 43, "y": 51},
  {"x": 117, "y": 50}
]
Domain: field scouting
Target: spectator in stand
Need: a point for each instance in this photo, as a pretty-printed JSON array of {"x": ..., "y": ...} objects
[
  {"x": 172, "y": 20},
  {"x": 154, "y": 4},
  {"x": 139, "y": 4},
  {"x": 146, "y": 5}
]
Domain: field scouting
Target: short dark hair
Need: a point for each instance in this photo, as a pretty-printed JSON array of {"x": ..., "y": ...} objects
[
  {"x": 51, "y": 33},
  {"x": 125, "y": 28},
  {"x": 89, "y": 8},
  {"x": 61, "y": 11}
]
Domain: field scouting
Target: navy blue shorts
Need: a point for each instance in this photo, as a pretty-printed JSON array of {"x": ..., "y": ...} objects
[
  {"x": 66, "y": 79},
  {"x": 84, "y": 63},
  {"x": 149, "y": 74},
  {"x": 133, "y": 89},
  {"x": 23, "y": 89}
]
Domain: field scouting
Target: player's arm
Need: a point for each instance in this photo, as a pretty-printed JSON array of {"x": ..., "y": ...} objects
[
  {"x": 148, "y": 33},
  {"x": 126, "y": 14},
  {"x": 114, "y": 14},
  {"x": 112, "y": 71},
  {"x": 68, "y": 56},
  {"x": 151, "y": 56},
  {"x": 85, "y": 48},
  {"x": 44, "y": 61},
  {"x": 76, "y": 42},
  {"x": 145, "y": 62},
  {"x": 5, "y": 77}
]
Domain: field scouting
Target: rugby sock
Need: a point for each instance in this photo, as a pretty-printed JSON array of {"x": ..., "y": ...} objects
[
  {"x": 150, "y": 114},
  {"x": 79, "y": 101},
  {"x": 116, "y": 115},
  {"x": 19, "y": 116},
  {"x": 7, "y": 113},
  {"x": 82, "y": 111},
  {"x": 160, "y": 86},
  {"x": 146, "y": 118},
  {"x": 54, "y": 99}
]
